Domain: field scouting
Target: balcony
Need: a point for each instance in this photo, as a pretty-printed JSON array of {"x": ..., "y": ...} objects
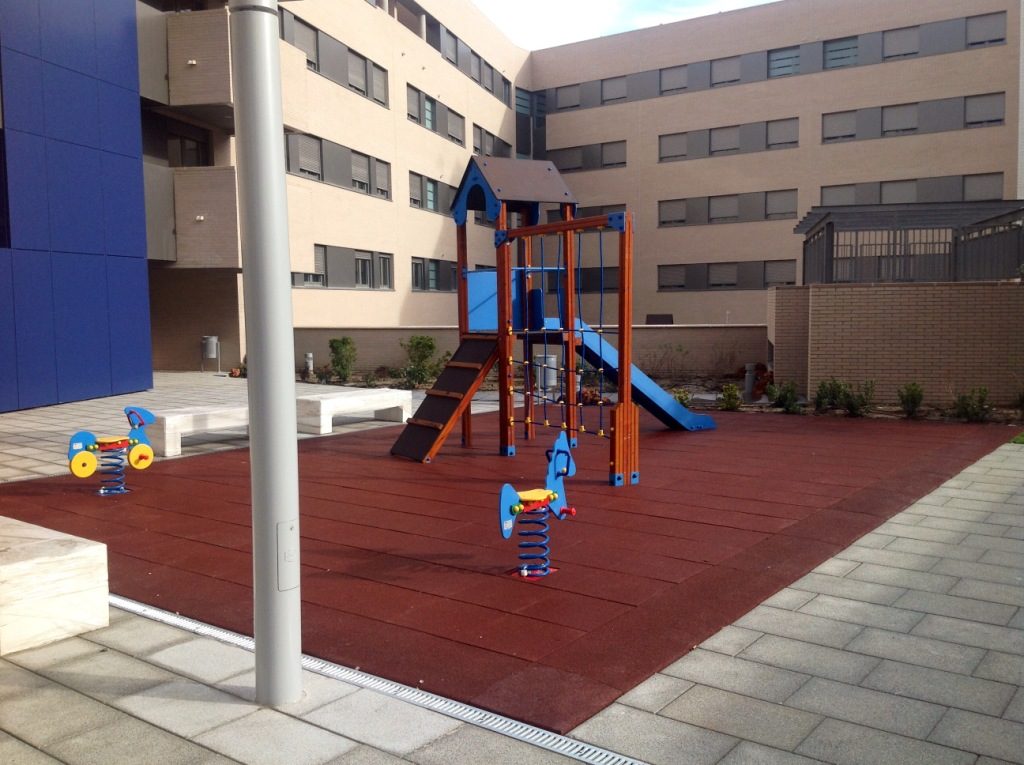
[
  {"x": 206, "y": 217},
  {"x": 199, "y": 65}
]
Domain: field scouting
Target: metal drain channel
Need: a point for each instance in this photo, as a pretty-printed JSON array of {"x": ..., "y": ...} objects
[{"x": 506, "y": 726}]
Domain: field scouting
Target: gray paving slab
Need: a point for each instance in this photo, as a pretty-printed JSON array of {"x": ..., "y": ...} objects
[
  {"x": 873, "y": 540},
  {"x": 1002, "y": 558},
  {"x": 1015, "y": 709},
  {"x": 836, "y": 567},
  {"x": 914, "y": 649},
  {"x": 204, "y": 659},
  {"x": 1001, "y": 666},
  {"x": 732, "y": 674},
  {"x": 951, "y": 511},
  {"x": 138, "y": 637},
  {"x": 791, "y": 599},
  {"x": 922, "y": 534},
  {"x": 54, "y": 654},
  {"x": 982, "y": 734},
  {"x": 655, "y": 692},
  {"x": 907, "y": 717},
  {"x": 749, "y": 753},
  {"x": 652, "y": 738},
  {"x": 844, "y": 743},
  {"x": 902, "y": 577},
  {"x": 185, "y": 708},
  {"x": 1007, "y": 518},
  {"x": 17, "y": 752},
  {"x": 934, "y": 550},
  {"x": 107, "y": 676},
  {"x": 858, "y": 612},
  {"x": 811, "y": 659},
  {"x": 382, "y": 722},
  {"x": 367, "y": 755},
  {"x": 1017, "y": 622},
  {"x": 317, "y": 690},
  {"x": 959, "y": 607},
  {"x": 730, "y": 640},
  {"x": 298, "y": 742},
  {"x": 996, "y": 542},
  {"x": 973, "y": 528},
  {"x": 1015, "y": 532},
  {"x": 800, "y": 626},
  {"x": 744, "y": 717},
  {"x": 950, "y": 689},
  {"x": 990, "y": 591},
  {"x": 1005, "y": 639},
  {"x": 128, "y": 740},
  {"x": 869, "y": 592},
  {"x": 470, "y": 744},
  {"x": 53, "y": 713},
  {"x": 892, "y": 555}
]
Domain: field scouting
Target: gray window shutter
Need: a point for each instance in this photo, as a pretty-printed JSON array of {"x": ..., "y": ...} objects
[
  {"x": 838, "y": 126},
  {"x": 456, "y": 126},
  {"x": 894, "y": 192},
  {"x": 723, "y": 207},
  {"x": 988, "y": 109},
  {"x": 319, "y": 259},
  {"x": 488, "y": 76},
  {"x": 672, "y": 146},
  {"x": 672, "y": 277},
  {"x": 567, "y": 159},
  {"x": 984, "y": 186},
  {"x": 725, "y": 70},
  {"x": 722, "y": 274},
  {"x": 380, "y": 84},
  {"x": 613, "y": 89},
  {"x": 671, "y": 211},
  {"x": 309, "y": 155},
  {"x": 986, "y": 30},
  {"x": 382, "y": 178},
  {"x": 840, "y": 53},
  {"x": 305, "y": 40},
  {"x": 780, "y": 204},
  {"x": 838, "y": 195},
  {"x": 412, "y": 97},
  {"x": 783, "y": 62},
  {"x": 899, "y": 43},
  {"x": 673, "y": 78},
  {"x": 357, "y": 72},
  {"x": 360, "y": 169},
  {"x": 567, "y": 96},
  {"x": 777, "y": 272},
  {"x": 725, "y": 139},
  {"x": 783, "y": 132},
  {"x": 613, "y": 153},
  {"x": 897, "y": 120}
]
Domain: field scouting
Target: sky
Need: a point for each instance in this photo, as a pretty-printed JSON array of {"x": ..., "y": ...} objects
[{"x": 567, "y": 21}]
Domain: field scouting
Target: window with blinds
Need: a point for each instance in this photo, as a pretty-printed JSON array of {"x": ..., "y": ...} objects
[
  {"x": 415, "y": 190},
  {"x": 488, "y": 77},
  {"x": 898, "y": 192},
  {"x": 671, "y": 212},
  {"x": 672, "y": 277},
  {"x": 671, "y": 147},
  {"x": 989, "y": 29},
  {"x": 474, "y": 66},
  {"x": 613, "y": 89},
  {"x": 899, "y": 120},
  {"x": 783, "y": 134},
  {"x": 356, "y": 72},
  {"x": 449, "y": 46},
  {"x": 430, "y": 201},
  {"x": 780, "y": 204},
  {"x": 385, "y": 271},
  {"x": 983, "y": 186},
  {"x": 363, "y": 269},
  {"x": 412, "y": 108},
  {"x": 380, "y": 85},
  {"x": 478, "y": 139},
  {"x": 900, "y": 43},
  {"x": 723, "y": 209},
  {"x": 456, "y": 128},
  {"x": 725, "y": 140},
  {"x": 382, "y": 179},
  {"x": 305, "y": 40},
  {"x": 988, "y": 109},
  {"x": 360, "y": 172},
  {"x": 840, "y": 53},
  {"x": 672, "y": 79},
  {"x": 613, "y": 154},
  {"x": 429, "y": 112},
  {"x": 838, "y": 126},
  {"x": 778, "y": 273},
  {"x": 567, "y": 159},
  {"x": 309, "y": 156},
  {"x": 725, "y": 71},
  {"x": 838, "y": 195},
  {"x": 783, "y": 62},
  {"x": 567, "y": 96},
  {"x": 419, "y": 278},
  {"x": 722, "y": 275}
]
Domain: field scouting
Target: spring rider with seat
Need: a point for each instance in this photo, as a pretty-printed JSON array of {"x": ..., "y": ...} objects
[{"x": 113, "y": 452}]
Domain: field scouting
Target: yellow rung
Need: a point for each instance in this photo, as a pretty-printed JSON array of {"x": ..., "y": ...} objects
[{"x": 600, "y": 432}]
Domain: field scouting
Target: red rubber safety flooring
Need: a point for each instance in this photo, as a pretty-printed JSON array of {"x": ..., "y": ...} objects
[{"x": 404, "y": 571}]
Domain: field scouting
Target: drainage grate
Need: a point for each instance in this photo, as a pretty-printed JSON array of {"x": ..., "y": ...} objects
[{"x": 539, "y": 737}]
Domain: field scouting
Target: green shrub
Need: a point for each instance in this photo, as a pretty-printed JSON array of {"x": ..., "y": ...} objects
[
  {"x": 857, "y": 402},
  {"x": 323, "y": 374},
  {"x": 910, "y": 395},
  {"x": 784, "y": 397},
  {"x": 1019, "y": 403},
  {"x": 421, "y": 366},
  {"x": 682, "y": 396},
  {"x": 730, "y": 400},
  {"x": 972, "y": 406},
  {"x": 343, "y": 357},
  {"x": 830, "y": 395}
]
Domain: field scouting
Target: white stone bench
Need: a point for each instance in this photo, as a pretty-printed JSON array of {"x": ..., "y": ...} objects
[
  {"x": 165, "y": 434},
  {"x": 316, "y": 413},
  {"x": 52, "y": 585}
]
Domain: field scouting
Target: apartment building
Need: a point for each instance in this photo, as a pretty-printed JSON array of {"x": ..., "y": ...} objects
[{"x": 718, "y": 133}]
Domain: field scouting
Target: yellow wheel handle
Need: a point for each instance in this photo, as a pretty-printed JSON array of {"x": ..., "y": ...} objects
[
  {"x": 83, "y": 464},
  {"x": 141, "y": 456}
]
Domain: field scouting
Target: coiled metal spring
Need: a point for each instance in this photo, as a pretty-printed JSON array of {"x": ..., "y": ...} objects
[
  {"x": 112, "y": 471},
  {"x": 533, "y": 543}
]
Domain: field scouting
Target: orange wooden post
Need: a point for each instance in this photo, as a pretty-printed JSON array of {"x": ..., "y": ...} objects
[
  {"x": 624, "y": 460},
  {"x": 506, "y": 337},
  {"x": 461, "y": 261},
  {"x": 529, "y": 375},
  {"x": 569, "y": 341}
]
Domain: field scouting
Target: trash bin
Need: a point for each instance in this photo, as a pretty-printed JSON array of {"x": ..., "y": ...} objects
[{"x": 210, "y": 345}]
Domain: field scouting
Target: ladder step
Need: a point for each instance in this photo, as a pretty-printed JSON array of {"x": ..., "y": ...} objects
[
  {"x": 446, "y": 394},
  {"x": 425, "y": 423},
  {"x": 465, "y": 365}
]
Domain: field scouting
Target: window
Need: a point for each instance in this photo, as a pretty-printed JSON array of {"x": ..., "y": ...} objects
[
  {"x": 361, "y": 172},
  {"x": 429, "y": 110},
  {"x": 309, "y": 157},
  {"x": 384, "y": 270},
  {"x": 989, "y": 29},
  {"x": 433, "y": 267},
  {"x": 413, "y": 103},
  {"x": 838, "y": 126},
  {"x": 722, "y": 275},
  {"x": 984, "y": 110},
  {"x": 415, "y": 190},
  {"x": 567, "y": 97},
  {"x": 671, "y": 212},
  {"x": 899, "y": 120},
  {"x": 419, "y": 277},
  {"x": 899, "y": 43},
  {"x": 319, "y": 276},
  {"x": 364, "y": 269},
  {"x": 430, "y": 194},
  {"x": 725, "y": 71},
  {"x": 784, "y": 62},
  {"x": 567, "y": 159},
  {"x": 613, "y": 89},
  {"x": 613, "y": 154},
  {"x": 725, "y": 140},
  {"x": 456, "y": 128},
  {"x": 671, "y": 147},
  {"x": 488, "y": 77},
  {"x": 380, "y": 85},
  {"x": 672, "y": 277},
  {"x": 305, "y": 40},
  {"x": 673, "y": 79},
  {"x": 449, "y": 46},
  {"x": 783, "y": 134},
  {"x": 187, "y": 151},
  {"x": 356, "y": 72},
  {"x": 896, "y": 192},
  {"x": 983, "y": 187},
  {"x": 780, "y": 204},
  {"x": 478, "y": 139},
  {"x": 840, "y": 53},
  {"x": 382, "y": 179},
  {"x": 778, "y": 273},
  {"x": 723, "y": 209},
  {"x": 838, "y": 195},
  {"x": 474, "y": 66}
]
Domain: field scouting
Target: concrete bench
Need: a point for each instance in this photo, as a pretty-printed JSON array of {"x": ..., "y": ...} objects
[
  {"x": 52, "y": 585},
  {"x": 165, "y": 434},
  {"x": 316, "y": 413}
]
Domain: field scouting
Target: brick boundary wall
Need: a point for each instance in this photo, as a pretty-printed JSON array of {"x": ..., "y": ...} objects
[{"x": 948, "y": 337}]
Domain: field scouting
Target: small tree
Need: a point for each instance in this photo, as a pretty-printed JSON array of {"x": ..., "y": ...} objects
[
  {"x": 910, "y": 395},
  {"x": 343, "y": 357},
  {"x": 730, "y": 400},
  {"x": 972, "y": 406},
  {"x": 421, "y": 366}
]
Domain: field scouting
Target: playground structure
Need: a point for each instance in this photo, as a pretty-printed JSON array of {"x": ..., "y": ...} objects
[
  {"x": 498, "y": 307},
  {"x": 532, "y": 509},
  {"x": 113, "y": 451}
]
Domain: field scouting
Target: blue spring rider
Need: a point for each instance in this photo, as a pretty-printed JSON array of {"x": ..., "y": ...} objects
[
  {"x": 531, "y": 509},
  {"x": 113, "y": 452}
]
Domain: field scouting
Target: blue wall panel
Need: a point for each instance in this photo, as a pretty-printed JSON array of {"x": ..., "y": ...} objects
[
  {"x": 75, "y": 194},
  {"x": 72, "y": 106},
  {"x": 116, "y": 39},
  {"x": 68, "y": 34},
  {"x": 33, "y": 311},
  {"x": 120, "y": 122},
  {"x": 8, "y": 345},
  {"x": 124, "y": 210},
  {"x": 23, "y": 92},
  {"x": 131, "y": 354},
  {"x": 81, "y": 326},
  {"x": 27, "y": 190},
  {"x": 19, "y": 25}
]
